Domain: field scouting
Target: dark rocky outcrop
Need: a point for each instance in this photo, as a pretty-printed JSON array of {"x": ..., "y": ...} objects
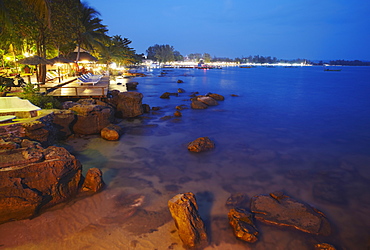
[
  {"x": 111, "y": 132},
  {"x": 201, "y": 144},
  {"x": 180, "y": 81},
  {"x": 208, "y": 100},
  {"x": 93, "y": 181},
  {"x": 127, "y": 104},
  {"x": 146, "y": 108},
  {"x": 217, "y": 97},
  {"x": 181, "y": 107},
  {"x": 180, "y": 90},
  {"x": 165, "y": 95},
  {"x": 177, "y": 113},
  {"x": 191, "y": 229},
  {"x": 33, "y": 178},
  {"x": 280, "y": 209},
  {"x": 132, "y": 85},
  {"x": 198, "y": 105},
  {"x": 242, "y": 222}
]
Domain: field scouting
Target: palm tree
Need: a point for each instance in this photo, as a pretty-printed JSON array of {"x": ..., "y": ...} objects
[{"x": 93, "y": 33}]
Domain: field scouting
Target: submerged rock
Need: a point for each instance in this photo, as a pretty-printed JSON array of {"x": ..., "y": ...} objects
[
  {"x": 281, "y": 210},
  {"x": 242, "y": 223},
  {"x": 237, "y": 200},
  {"x": 180, "y": 81},
  {"x": 191, "y": 229},
  {"x": 201, "y": 144}
]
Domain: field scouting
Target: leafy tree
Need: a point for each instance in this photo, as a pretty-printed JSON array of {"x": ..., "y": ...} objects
[{"x": 163, "y": 53}]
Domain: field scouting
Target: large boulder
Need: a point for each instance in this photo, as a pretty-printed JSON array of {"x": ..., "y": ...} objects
[
  {"x": 128, "y": 104},
  {"x": 282, "y": 210},
  {"x": 201, "y": 144},
  {"x": 91, "y": 116},
  {"x": 33, "y": 178},
  {"x": 191, "y": 229}
]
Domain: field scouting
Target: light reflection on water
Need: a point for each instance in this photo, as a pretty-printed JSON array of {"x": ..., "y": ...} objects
[{"x": 300, "y": 130}]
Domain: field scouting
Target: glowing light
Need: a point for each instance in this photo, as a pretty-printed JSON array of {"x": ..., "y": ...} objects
[{"x": 26, "y": 54}]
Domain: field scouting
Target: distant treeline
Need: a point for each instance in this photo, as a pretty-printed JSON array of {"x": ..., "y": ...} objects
[{"x": 349, "y": 63}]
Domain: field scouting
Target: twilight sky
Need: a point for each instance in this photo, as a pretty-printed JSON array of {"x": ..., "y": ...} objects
[{"x": 286, "y": 29}]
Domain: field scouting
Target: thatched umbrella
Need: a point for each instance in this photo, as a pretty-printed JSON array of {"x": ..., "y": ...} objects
[{"x": 35, "y": 60}]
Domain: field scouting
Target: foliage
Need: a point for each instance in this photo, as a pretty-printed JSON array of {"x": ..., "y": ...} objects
[
  {"x": 163, "y": 53},
  {"x": 93, "y": 32},
  {"x": 32, "y": 93}
]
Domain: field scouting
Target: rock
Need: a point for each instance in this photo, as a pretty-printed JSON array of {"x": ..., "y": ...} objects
[
  {"x": 180, "y": 81},
  {"x": 193, "y": 94},
  {"x": 156, "y": 108},
  {"x": 177, "y": 113},
  {"x": 32, "y": 179},
  {"x": 8, "y": 145},
  {"x": 234, "y": 95},
  {"x": 128, "y": 104},
  {"x": 217, "y": 97},
  {"x": 324, "y": 246},
  {"x": 242, "y": 223},
  {"x": 63, "y": 122},
  {"x": 165, "y": 95},
  {"x": 111, "y": 132},
  {"x": 93, "y": 181},
  {"x": 91, "y": 118},
  {"x": 201, "y": 144},
  {"x": 239, "y": 200},
  {"x": 181, "y": 107},
  {"x": 208, "y": 100},
  {"x": 191, "y": 229},
  {"x": 198, "y": 105},
  {"x": 146, "y": 108},
  {"x": 131, "y": 85},
  {"x": 180, "y": 90},
  {"x": 279, "y": 209}
]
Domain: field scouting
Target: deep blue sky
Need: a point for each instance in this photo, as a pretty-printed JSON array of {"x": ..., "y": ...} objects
[{"x": 287, "y": 29}]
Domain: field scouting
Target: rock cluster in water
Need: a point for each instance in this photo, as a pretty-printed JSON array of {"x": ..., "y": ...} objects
[{"x": 274, "y": 208}]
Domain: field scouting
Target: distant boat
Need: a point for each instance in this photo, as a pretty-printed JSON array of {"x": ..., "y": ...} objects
[{"x": 332, "y": 70}]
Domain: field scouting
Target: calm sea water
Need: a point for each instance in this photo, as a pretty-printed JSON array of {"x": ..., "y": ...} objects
[{"x": 303, "y": 131}]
